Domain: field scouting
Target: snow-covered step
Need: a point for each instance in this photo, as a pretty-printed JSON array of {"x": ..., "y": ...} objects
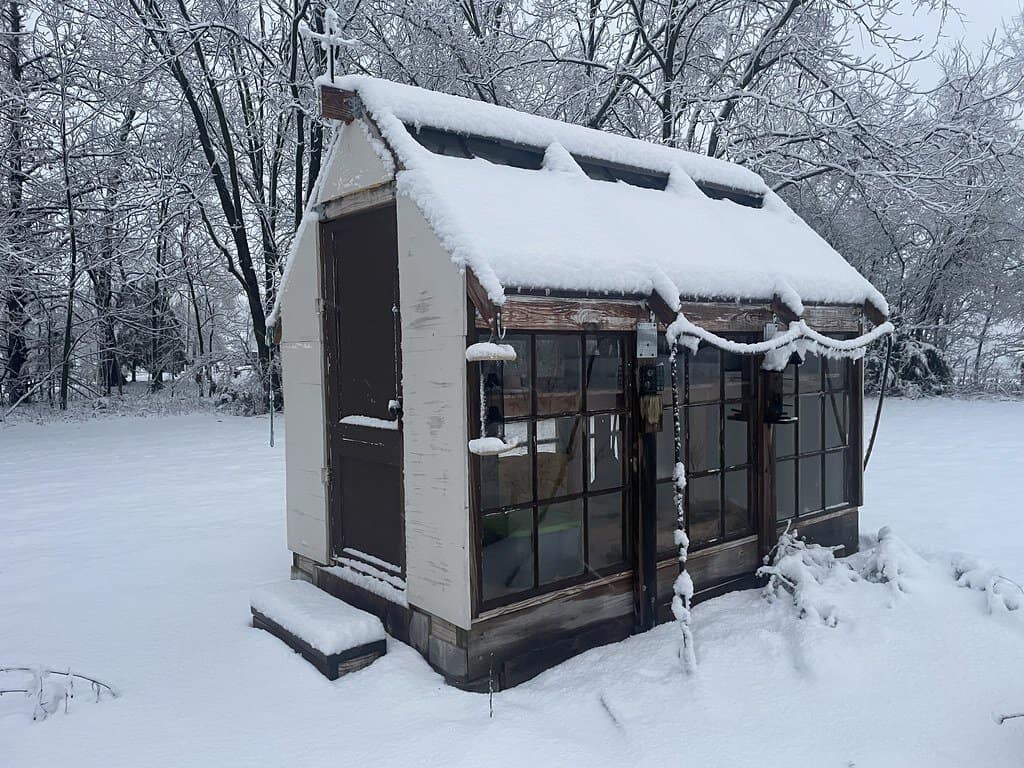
[{"x": 330, "y": 634}]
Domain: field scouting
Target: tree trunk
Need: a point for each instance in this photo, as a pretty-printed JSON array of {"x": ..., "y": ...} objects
[{"x": 18, "y": 298}]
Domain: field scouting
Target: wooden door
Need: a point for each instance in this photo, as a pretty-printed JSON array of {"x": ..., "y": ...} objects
[{"x": 364, "y": 375}]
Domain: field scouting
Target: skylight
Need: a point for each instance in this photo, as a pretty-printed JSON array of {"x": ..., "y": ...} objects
[{"x": 531, "y": 158}]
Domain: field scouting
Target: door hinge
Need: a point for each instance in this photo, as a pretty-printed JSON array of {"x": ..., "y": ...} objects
[
  {"x": 321, "y": 305},
  {"x": 325, "y": 475}
]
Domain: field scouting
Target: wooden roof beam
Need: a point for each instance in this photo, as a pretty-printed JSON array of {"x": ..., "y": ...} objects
[
  {"x": 338, "y": 104},
  {"x": 661, "y": 309},
  {"x": 479, "y": 298},
  {"x": 874, "y": 314},
  {"x": 783, "y": 311}
]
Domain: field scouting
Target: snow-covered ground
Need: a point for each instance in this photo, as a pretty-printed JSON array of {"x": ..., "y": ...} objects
[{"x": 129, "y": 547}]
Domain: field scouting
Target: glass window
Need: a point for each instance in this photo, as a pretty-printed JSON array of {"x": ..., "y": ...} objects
[
  {"x": 666, "y": 446},
  {"x": 737, "y": 503},
  {"x": 705, "y": 372},
  {"x": 603, "y": 373},
  {"x": 737, "y": 372},
  {"x": 785, "y": 489},
  {"x": 817, "y": 480},
  {"x": 552, "y": 509},
  {"x": 507, "y": 553},
  {"x": 835, "y": 419},
  {"x": 604, "y": 531},
  {"x": 558, "y": 373},
  {"x": 809, "y": 374},
  {"x": 716, "y": 420},
  {"x": 704, "y": 509},
  {"x": 785, "y": 434},
  {"x": 559, "y": 458},
  {"x": 810, "y": 423},
  {"x": 705, "y": 438},
  {"x": 835, "y": 478},
  {"x": 810, "y": 484},
  {"x": 507, "y": 384},
  {"x": 507, "y": 479},
  {"x": 605, "y": 448},
  {"x": 837, "y": 374},
  {"x": 668, "y": 520},
  {"x": 737, "y": 442},
  {"x": 559, "y": 540}
]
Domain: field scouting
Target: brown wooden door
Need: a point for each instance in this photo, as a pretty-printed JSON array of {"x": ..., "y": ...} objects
[{"x": 364, "y": 376}]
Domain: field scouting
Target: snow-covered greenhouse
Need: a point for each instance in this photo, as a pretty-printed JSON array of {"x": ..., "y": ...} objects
[{"x": 488, "y": 432}]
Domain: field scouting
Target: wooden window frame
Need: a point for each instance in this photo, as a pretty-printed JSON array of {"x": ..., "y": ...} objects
[
  {"x": 852, "y": 476},
  {"x": 626, "y": 489}
]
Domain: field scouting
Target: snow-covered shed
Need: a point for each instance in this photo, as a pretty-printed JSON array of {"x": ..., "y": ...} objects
[{"x": 484, "y": 411}]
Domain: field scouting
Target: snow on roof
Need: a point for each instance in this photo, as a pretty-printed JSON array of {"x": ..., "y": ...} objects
[{"x": 558, "y": 229}]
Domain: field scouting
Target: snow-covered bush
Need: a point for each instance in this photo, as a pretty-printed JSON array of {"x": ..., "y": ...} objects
[
  {"x": 891, "y": 562},
  {"x": 242, "y": 390},
  {"x": 49, "y": 690},
  {"x": 1001, "y": 593},
  {"x": 800, "y": 572},
  {"x": 916, "y": 369}
]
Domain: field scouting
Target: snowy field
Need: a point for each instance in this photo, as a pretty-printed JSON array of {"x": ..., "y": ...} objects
[{"x": 128, "y": 548}]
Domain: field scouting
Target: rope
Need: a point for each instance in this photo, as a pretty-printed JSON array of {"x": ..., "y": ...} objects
[{"x": 682, "y": 331}]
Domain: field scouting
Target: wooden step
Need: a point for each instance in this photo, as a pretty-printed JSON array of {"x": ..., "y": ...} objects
[{"x": 333, "y": 636}]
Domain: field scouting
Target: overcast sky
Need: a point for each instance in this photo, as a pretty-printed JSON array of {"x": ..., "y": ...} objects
[{"x": 980, "y": 18}]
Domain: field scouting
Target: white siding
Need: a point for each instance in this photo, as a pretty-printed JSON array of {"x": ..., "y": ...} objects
[
  {"x": 354, "y": 165},
  {"x": 437, "y": 531}
]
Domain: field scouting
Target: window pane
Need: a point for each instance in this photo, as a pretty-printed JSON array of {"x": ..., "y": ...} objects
[
  {"x": 705, "y": 370},
  {"x": 507, "y": 553},
  {"x": 559, "y": 458},
  {"x": 703, "y": 512},
  {"x": 835, "y": 478},
  {"x": 667, "y": 518},
  {"x": 837, "y": 374},
  {"x": 704, "y": 438},
  {"x": 604, "y": 530},
  {"x": 810, "y": 374},
  {"x": 810, "y": 423},
  {"x": 507, "y": 480},
  {"x": 785, "y": 490},
  {"x": 835, "y": 419},
  {"x": 789, "y": 380},
  {"x": 736, "y": 369},
  {"x": 558, "y": 374},
  {"x": 605, "y": 447},
  {"x": 559, "y": 540},
  {"x": 603, "y": 373},
  {"x": 507, "y": 384},
  {"x": 666, "y": 446},
  {"x": 785, "y": 434},
  {"x": 810, "y": 484},
  {"x": 736, "y": 442},
  {"x": 737, "y": 503}
]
